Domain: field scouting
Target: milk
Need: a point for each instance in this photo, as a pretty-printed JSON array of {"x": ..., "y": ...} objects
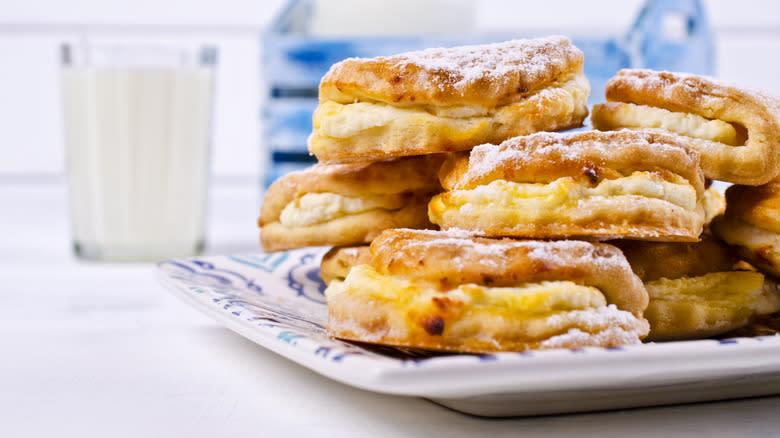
[{"x": 137, "y": 159}]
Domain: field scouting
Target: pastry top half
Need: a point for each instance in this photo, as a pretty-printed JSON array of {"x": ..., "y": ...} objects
[
  {"x": 590, "y": 156},
  {"x": 594, "y": 185},
  {"x": 347, "y": 204},
  {"x": 654, "y": 260},
  {"x": 736, "y": 129},
  {"x": 450, "y": 259},
  {"x": 445, "y": 100},
  {"x": 485, "y": 75}
]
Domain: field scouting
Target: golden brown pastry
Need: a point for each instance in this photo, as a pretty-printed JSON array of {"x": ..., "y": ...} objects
[
  {"x": 441, "y": 100},
  {"x": 337, "y": 262},
  {"x": 595, "y": 185},
  {"x": 736, "y": 130},
  {"x": 347, "y": 204},
  {"x": 448, "y": 292},
  {"x": 751, "y": 224},
  {"x": 714, "y": 204},
  {"x": 695, "y": 291}
]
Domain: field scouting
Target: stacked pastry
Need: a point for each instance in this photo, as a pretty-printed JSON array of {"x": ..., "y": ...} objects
[
  {"x": 696, "y": 289},
  {"x": 482, "y": 222}
]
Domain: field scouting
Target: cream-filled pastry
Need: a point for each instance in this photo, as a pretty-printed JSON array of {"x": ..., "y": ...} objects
[
  {"x": 596, "y": 185},
  {"x": 450, "y": 292},
  {"x": 442, "y": 100},
  {"x": 338, "y": 261},
  {"x": 735, "y": 129},
  {"x": 347, "y": 204},
  {"x": 695, "y": 291},
  {"x": 751, "y": 225}
]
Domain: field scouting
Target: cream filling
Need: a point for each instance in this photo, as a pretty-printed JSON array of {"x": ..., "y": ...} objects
[
  {"x": 714, "y": 204},
  {"x": 315, "y": 208},
  {"x": 717, "y": 289},
  {"x": 537, "y": 201},
  {"x": 690, "y": 125},
  {"x": 338, "y": 120},
  {"x": 737, "y": 232},
  {"x": 732, "y": 291},
  {"x": 531, "y": 299}
]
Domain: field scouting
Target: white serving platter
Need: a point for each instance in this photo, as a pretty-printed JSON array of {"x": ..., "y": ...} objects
[{"x": 276, "y": 300}]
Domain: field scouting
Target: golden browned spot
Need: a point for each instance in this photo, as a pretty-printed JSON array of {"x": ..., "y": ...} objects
[
  {"x": 434, "y": 325},
  {"x": 396, "y": 79},
  {"x": 441, "y": 302},
  {"x": 764, "y": 254},
  {"x": 522, "y": 89},
  {"x": 591, "y": 173}
]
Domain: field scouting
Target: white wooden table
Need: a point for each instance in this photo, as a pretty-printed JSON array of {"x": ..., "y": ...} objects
[{"x": 103, "y": 350}]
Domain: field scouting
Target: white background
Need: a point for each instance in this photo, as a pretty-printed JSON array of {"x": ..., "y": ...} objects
[{"x": 747, "y": 36}]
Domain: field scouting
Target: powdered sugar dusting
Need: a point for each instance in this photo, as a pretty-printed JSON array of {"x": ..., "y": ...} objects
[
  {"x": 467, "y": 64},
  {"x": 486, "y": 158},
  {"x": 496, "y": 251},
  {"x": 603, "y": 326},
  {"x": 530, "y": 60},
  {"x": 638, "y": 78}
]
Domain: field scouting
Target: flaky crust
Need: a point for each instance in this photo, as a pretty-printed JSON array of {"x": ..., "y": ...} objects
[
  {"x": 410, "y": 174},
  {"x": 447, "y": 100},
  {"x": 758, "y": 206},
  {"x": 360, "y": 318},
  {"x": 412, "y": 177},
  {"x": 680, "y": 310},
  {"x": 755, "y": 163},
  {"x": 751, "y": 225},
  {"x": 450, "y": 259},
  {"x": 347, "y": 230},
  {"x": 654, "y": 260},
  {"x": 485, "y": 75},
  {"x": 463, "y": 322},
  {"x": 714, "y": 204},
  {"x": 337, "y": 262},
  {"x": 694, "y": 290},
  {"x": 425, "y": 132},
  {"x": 590, "y": 157}
]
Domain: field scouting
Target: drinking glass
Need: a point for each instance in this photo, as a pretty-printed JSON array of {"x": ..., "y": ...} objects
[{"x": 137, "y": 120}]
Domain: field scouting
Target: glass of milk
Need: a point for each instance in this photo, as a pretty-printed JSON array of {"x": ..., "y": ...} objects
[{"x": 138, "y": 133}]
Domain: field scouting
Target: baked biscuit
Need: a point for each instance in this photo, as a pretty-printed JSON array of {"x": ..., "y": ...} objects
[
  {"x": 347, "y": 204},
  {"x": 736, "y": 130},
  {"x": 337, "y": 262},
  {"x": 446, "y": 292},
  {"x": 441, "y": 100},
  {"x": 695, "y": 291},
  {"x": 595, "y": 185},
  {"x": 751, "y": 225}
]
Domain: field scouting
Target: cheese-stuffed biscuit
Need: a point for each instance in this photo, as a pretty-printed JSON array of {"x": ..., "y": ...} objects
[
  {"x": 447, "y": 292},
  {"x": 695, "y": 291},
  {"x": 595, "y": 185},
  {"x": 337, "y": 262},
  {"x": 736, "y": 130},
  {"x": 751, "y": 225},
  {"x": 441, "y": 100},
  {"x": 347, "y": 204}
]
